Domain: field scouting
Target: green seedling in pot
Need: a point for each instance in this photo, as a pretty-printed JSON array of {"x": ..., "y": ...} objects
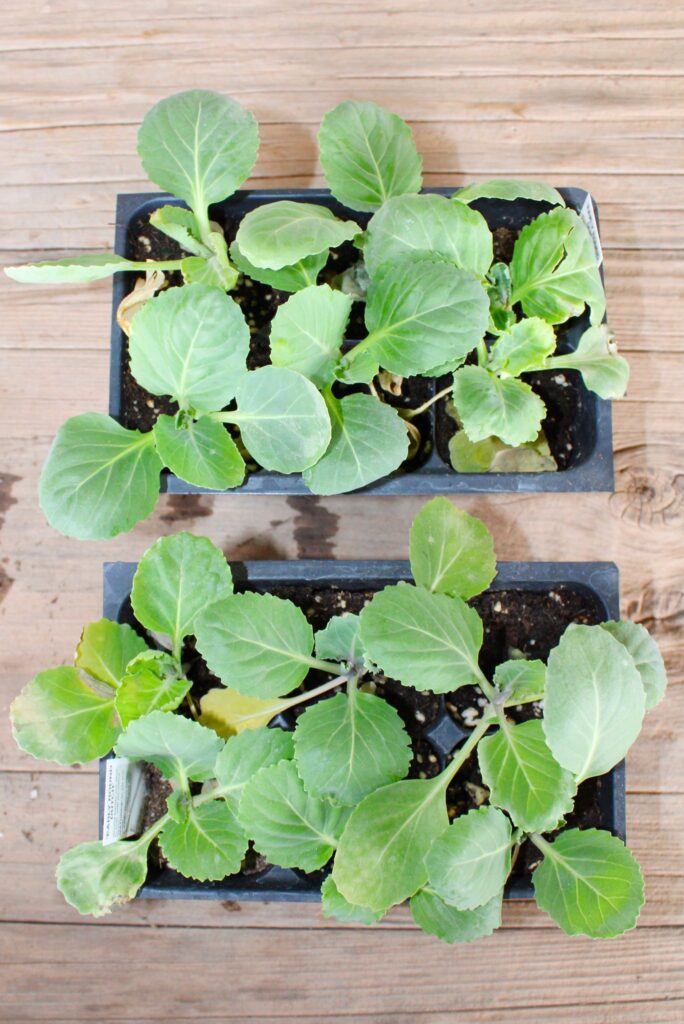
[{"x": 334, "y": 791}]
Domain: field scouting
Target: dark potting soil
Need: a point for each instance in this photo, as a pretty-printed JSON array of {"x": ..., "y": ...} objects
[{"x": 516, "y": 623}]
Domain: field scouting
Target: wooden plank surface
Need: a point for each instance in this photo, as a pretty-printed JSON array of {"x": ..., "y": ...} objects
[{"x": 592, "y": 95}]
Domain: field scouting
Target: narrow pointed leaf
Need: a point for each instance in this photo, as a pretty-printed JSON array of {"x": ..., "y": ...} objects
[
  {"x": 279, "y": 234},
  {"x": 369, "y": 441},
  {"x": 451, "y": 925},
  {"x": 105, "y": 649},
  {"x": 307, "y": 332},
  {"x": 368, "y": 155},
  {"x": 590, "y": 884},
  {"x": 202, "y": 452},
  {"x": 207, "y": 844},
  {"x": 74, "y": 269},
  {"x": 153, "y": 682},
  {"x": 181, "y": 225},
  {"x": 288, "y": 826},
  {"x": 451, "y": 552},
  {"x": 99, "y": 478},
  {"x": 180, "y": 748},
  {"x": 470, "y": 862},
  {"x": 425, "y": 640},
  {"x": 523, "y": 778},
  {"x": 258, "y": 644},
  {"x": 487, "y": 405},
  {"x": 509, "y": 190}
]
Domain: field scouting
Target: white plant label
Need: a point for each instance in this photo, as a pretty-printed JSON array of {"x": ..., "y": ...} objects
[
  {"x": 124, "y": 799},
  {"x": 588, "y": 216}
]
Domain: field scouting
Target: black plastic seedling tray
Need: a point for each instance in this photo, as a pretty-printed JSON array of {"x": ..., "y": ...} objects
[
  {"x": 591, "y": 463},
  {"x": 599, "y": 580}
]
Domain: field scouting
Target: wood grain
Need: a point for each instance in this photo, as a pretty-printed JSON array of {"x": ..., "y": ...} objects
[{"x": 592, "y": 96}]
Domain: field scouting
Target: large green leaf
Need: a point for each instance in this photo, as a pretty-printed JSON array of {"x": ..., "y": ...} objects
[
  {"x": 350, "y": 744},
  {"x": 469, "y": 863},
  {"x": 105, "y": 649},
  {"x": 429, "y": 223},
  {"x": 307, "y": 332},
  {"x": 279, "y": 234},
  {"x": 488, "y": 405},
  {"x": 369, "y": 441},
  {"x": 246, "y": 754},
  {"x": 333, "y": 904},
  {"x": 451, "y": 552},
  {"x": 58, "y": 717},
  {"x": 425, "y": 640},
  {"x": 594, "y": 701},
  {"x": 340, "y": 640},
  {"x": 94, "y": 878},
  {"x": 153, "y": 681},
  {"x": 288, "y": 279},
  {"x": 202, "y": 452},
  {"x": 523, "y": 778},
  {"x": 177, "y": 579},
  {"x": 258, "y": 644},
  {"x": 289, "y": 826},
  {"x": 206, "y": 844},
  {"x": 181, "y": 225},
  {"x": 283, "y": 419},
  {"x": 380, "y": 858},
  {"x": 368, "y": 155},
  {"x": 198, "y": 145},
  {"x": 421, "y": 313},
  {"x": 190, "y": 343},
  {"x": 636, "y": 639},
  {"x": 553, "y": 270},
  {"x": 509, "y": 190},
  {"x": 523, "y": 347},
  {"x": 589, "y": 883},
  {"x": 75, "y": 269},
  {"x": 180, "y": 748},
  {"x": 520, "y": 681},
  {"x": 602, "y": 369},
  {"x": 99, "y": 478},
  {"x": 448, "y": 923}
]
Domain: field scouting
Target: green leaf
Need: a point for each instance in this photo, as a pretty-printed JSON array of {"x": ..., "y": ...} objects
[
  {"x": 340, "y": 640},
  {"x": 487, "y": 405},
  {"x": 421, "y": 313},
  {"x": 429, "y": 223},
  {"x": 436, "y": 917},
  {"x": 152, "y": 682},
  {"x": 207, "y": 844},
  {"x": 361, "y": 371},
  {"x": 211, "y": 272},
  {"x": 289, "y": 827},
  {"x": 307, "y": 332},
  {"x": 380, "y": 859},
  {"x": 369, "y": 441},
  {"x": 201, "y": 452},
  {"x": 74, "y": 269},
  {"x": 283, "y": 419},
  {"x": 509, "y": 190},
  {"x": 99, "y": 478},
  {"x": 176, "y": 580},
  {"x": 523, "y": 778},
  {"x": 520, "y": 681},
  {"x": 523, "y": 347},
  {"x": 258, "y": 644},
  {"x": 180, "y": 748},
  {"x": 191, "y": 343},
  {"x": 636, "y": 639},
  {"x": 246, "y": 754},
  {"x": 198, "y": 145},
  {"x": 451, "y": 552},
  {"x": 279, "y": 234},
  {"x": 105, "y": 649},
  {"x": 181, "y": 225},
  {"x": 493, "y": 456},
  {"x": 57, "y": 717},
  {"x": 368, "y": 155},
  {"x": 469, "y": 863},
  {"x": 228, "y": 712},
  {"x": 553, "y": 270},
  {"x": 425, "y": 640},
  {"x": 333, "y": 904},
  {"x": 350, "y": 744},
  {"x": 288, "y": 279},
  {"x": 594, "y": 701},
  {"x": 94, "y": 878},
  {"x": 602, "y": 369},
  {"x": 589, "y": 883}
]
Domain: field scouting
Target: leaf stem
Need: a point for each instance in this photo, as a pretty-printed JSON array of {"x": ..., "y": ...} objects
[
  {"x": 362, "y": 346},
  {"x": 410, "y": 414},
  {"x": 540, "y": 843},
  {"x": 466, "y": 750},
  {"x": 482, "y": 353}
]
